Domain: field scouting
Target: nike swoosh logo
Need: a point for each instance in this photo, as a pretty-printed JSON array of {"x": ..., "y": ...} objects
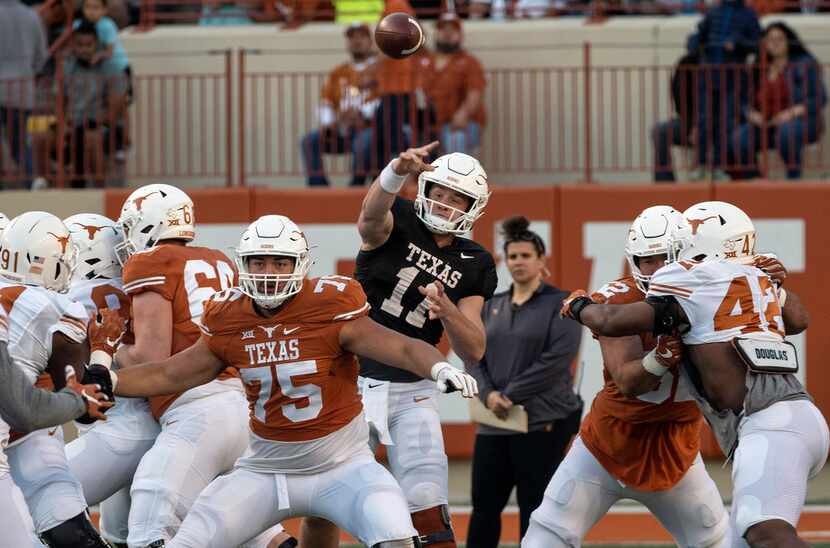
[
  {"x": 417, "y": 399},
  {"x": 375, "y": 385},
  {"x": 667, "y": 355},
  {"x": 463, "y": 256},
  {"x": 289, "y": 331}
]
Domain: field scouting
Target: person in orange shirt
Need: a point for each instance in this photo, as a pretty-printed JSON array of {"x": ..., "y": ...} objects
[
  {"x": 456, "y": 88},
  {"x": 641, "y": 439},
  {"x": 346, "y": 104}
]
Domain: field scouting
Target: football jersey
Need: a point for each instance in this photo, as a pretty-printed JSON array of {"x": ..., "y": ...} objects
[
  {"x": 4, "y": 428},
  {"x": 187, "y": 277},
  {"x": 103, "y": 293},
  {"x": 647, "y": 442},
  {"x": 34, "y": 315},
  {"x": 392, "y": 273},
  {"x": 300, "y": 383},
  {"x": 723, "y": 300}
]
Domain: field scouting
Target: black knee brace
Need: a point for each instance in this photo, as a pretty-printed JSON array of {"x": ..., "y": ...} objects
[{"x": 77, "y": 532}]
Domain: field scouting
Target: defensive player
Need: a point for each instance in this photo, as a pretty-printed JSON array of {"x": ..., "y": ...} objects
[
  {"x": 406, "y": 247},
  {"x": 733, "y": 319},
  {"x": 293, "y": 340},
  {"x": 105, "y": 457},
  {"x": 47, "y": 332},
  {"x": 202, "y": 428},
  {"x": 641, "y": 438},
  {"x": 26, "y": 408}
]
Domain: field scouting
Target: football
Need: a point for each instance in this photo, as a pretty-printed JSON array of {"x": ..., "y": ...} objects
[{"x": 399, "y": 35}]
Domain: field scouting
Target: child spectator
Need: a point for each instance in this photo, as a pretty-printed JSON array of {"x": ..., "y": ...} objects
[{"x": 111, "y": 50}]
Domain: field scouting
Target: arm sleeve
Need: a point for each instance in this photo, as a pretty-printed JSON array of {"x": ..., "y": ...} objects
[
  {"x": 41, "y": 51},
  {"x": 27, "y": 408},
  {"x": 107, "y": 31},
  {"x": 489, "y": 279},
  {"x": 562, "y": 346},
  {"x": 148, "y": 271}
]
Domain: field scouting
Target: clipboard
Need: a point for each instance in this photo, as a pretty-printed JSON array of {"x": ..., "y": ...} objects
[{"x": 516, "y": 417}]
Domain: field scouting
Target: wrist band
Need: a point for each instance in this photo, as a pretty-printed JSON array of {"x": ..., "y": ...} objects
[
  {"x": 436, "y": 368},
  {"x": 578, "y": 305},
  {"x": 99, "y": 357},
  {"x": 782, "y": 296},
  {"x": 651, "y": 364},
  {"x": 390, "y": 181}
]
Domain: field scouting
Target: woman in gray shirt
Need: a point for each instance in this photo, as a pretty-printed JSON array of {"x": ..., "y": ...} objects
[{"x": 527, "y": 361}]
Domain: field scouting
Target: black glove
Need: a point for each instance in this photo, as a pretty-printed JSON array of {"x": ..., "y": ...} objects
[{"x": 100, "y": 375}]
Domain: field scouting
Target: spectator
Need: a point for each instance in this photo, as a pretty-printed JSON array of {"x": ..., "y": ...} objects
[
  {"x": 346, "y": 107},
  {"x": 527, "y": 361},
  {"x": 456, "y": 89},
  {"x": 787, "y": 96},
  {"x": 728, "y": 33},
  {"x": 110, "y": 50},
  {"x": 22, "y": 55},
  {"x": 96, "y": 102},
  {"x": 216, "y": 13},
  {"x": 682, "y": 129}
]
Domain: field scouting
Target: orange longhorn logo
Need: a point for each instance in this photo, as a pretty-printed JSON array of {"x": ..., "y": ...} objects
[
  {"x": 695, "y": 223},
  {"x": 92, "y": 230},
  {"x": 140, "y": 200},
  {"x": 63, "y": 240}
]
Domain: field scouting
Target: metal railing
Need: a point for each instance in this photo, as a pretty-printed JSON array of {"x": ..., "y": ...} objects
[{"x": 233, "y": 124}]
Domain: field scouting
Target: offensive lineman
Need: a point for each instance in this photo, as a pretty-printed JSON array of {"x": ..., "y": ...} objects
[
  {"x": 203, "y": 428},
  {"x": 26, "y": 409},
  {"x": 408, "y": 247},
  {"x": 47, "y": 332},
  {"x": 641, "y": 438},
  {"x": 293, "y": 340},
  {"x": 105, "y": 457},
  {"x": 733, "y": 319}
]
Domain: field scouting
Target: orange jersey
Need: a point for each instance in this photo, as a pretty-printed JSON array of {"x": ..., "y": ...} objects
[
  {"x": 301, "y": 384},
  {"x": 187, "y": 277},
  {"x": 647, "y": 442}
]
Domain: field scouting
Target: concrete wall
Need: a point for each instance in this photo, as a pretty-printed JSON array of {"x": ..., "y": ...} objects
[{"x": 535, "y": 96}]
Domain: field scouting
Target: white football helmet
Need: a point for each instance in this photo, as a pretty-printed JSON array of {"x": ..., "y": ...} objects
[
  {"x": 153, "y": 213},
  {"x": 274, "y": 235},
  {"x": 4, "y": 221},
  {"x": 716, "y": 231},
  {"x": 96, "y": 237},
  {"x": 461, "y": 173},
  {"x": 648, "y": 236},
  {"x": 37, "y": 250}
]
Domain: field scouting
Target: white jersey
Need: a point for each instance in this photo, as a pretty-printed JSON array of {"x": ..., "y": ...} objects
[
  {"x": 4, "y": 428},
  {"x": 723, "y": 300},
  {"x": 100, "y": 293},
  {"x": 35, "y": 315}
]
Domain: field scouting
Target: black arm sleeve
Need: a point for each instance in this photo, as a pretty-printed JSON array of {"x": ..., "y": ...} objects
[
  {"x": 668, "y": 315},
  {"x": 26, "y": 408}
]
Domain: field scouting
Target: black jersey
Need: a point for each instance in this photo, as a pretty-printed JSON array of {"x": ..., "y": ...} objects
[{"x": 392, "y": 273}]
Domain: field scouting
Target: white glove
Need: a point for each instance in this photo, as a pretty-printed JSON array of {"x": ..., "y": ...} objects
[{"x": 450, "y": 379}]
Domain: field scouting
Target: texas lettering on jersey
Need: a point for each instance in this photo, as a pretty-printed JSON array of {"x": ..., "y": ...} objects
[
  {"x": 301, "y": 384},
  {"x": 648, "y": 442},
  {"x": 433, "y": 266}
]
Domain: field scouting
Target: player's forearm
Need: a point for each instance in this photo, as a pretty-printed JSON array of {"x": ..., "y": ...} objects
[
  {"x": 159, "y": 379},
  {"x": 413, "y": 355},
  {"x": 614, "y": 320},
  {"x": 633, "y": 380},
  {"x": 26, "y": 408},
  {"x": 795, "y": 315},
  {"x": 467, "y": 339}
]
